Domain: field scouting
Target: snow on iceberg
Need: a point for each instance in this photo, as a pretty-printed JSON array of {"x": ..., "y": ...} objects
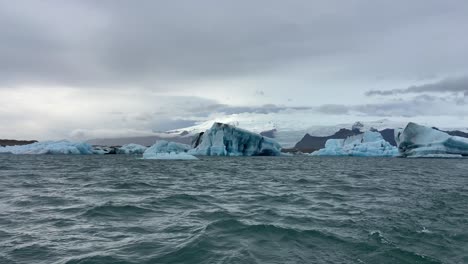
[
  {"x": 52, "y": 147},
  {"x": 421, "y": 141},
  {"x": 367, "y": 144},
  {"x": 227, "y": 140},
  {"x": 132, "y": 149},
  {"x": 163, "y": 149}
]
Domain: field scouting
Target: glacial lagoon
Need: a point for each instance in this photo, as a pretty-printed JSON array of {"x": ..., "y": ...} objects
[{"x": 122, "y": 209}]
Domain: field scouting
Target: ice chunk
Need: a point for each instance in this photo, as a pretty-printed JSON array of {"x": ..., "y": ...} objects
[
  {"x": 421, "y": 141},
  {"x": 170, "y": 156},
  {"x": 227, "y": 140},
  {"x": 163, "y": 146},
  {"x": 52, "y": 147},
  {"x": 367, "y": 144},
  {"x": 131, "y": 149},
  {"x": 168, "y": 150}
]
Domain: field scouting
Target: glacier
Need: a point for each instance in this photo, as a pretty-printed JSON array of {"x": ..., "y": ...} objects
[
  {"x": 367, "y": 144},
  {"x": 421, "y": 141},
  {"x": 163, "y": 149},
  {"x": 52, "y": 147},
  {"x": 227, "y": 140},
  {"x": 132, "y": 149}
]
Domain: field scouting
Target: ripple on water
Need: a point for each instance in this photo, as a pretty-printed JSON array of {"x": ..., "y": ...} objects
[{"x": 111, "y": 209}]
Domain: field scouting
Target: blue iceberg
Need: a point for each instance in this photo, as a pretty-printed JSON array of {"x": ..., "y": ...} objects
[
  {"x": 421, "y": 141},
  {"x": 227, "y": 140},
  {"x": 163, "y": 149},
  {"x": 367, "y": 144},
  {"x": 132, "y": 149},
  {"x": 52, "y": 147}
]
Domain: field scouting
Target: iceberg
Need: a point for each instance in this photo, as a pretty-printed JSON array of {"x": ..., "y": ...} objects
[
  {"x": 132, "y": 149},
  {"x": 163, "y": 149},
  {"x": 421, "y": 141},
  {"x": 227, "y": 140},
  {"x": 367, "y": 144},
  {"x": 52, "y": 147}
]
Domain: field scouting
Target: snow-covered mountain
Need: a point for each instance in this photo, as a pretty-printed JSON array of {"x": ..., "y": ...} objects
[{"x": 288, "y": 130}]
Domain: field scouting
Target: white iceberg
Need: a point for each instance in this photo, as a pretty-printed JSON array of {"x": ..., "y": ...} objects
[
  {"x": 132, "y": 149},
  {"x": 52, "y": 147},
  {"x": 226, "y": 140},
  {"x": 421, "y": 141},
  {"x": 168, "y": 150},
  {"x": 367, "y": 144}
]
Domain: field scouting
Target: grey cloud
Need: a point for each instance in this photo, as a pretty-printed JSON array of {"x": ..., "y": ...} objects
[
  {"x": 152, "y": 43},
  {"x": 170, "y": 124},
  {"x": 299, "y": 52},
  {"x": 206, "y": 110},
  {"x": 447, "y": 85},
  {"x": 333, "y": 109},
  {"x": 417, "y": 106}
]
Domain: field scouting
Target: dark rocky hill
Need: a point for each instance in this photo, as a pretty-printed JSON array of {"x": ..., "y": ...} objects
[
  {"x": 311, "y": 143},
  {"x": 389, "y": 135},
  {"x": 12, "y": 142},
  {"x": 454, "y": 132}
]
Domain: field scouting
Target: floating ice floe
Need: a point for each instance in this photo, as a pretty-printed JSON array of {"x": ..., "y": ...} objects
[
  {"x": 52, "y": 147},
  {"x": 227, "y": 140},
  {"x": 168, "y": 150},
  {"x": 367, "y": 144},
  {"x": 420, "y": 141},
  {"x": 132, "y": 149}
]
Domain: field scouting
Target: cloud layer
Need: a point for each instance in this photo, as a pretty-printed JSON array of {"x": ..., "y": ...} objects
[
  {"x": 146, "y": 66},
  {"x": 454, "y": 85},
  {"x": 155, "y": 43}
]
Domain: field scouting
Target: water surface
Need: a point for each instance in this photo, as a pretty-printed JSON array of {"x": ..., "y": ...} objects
[{"x": 119, "y": 209}]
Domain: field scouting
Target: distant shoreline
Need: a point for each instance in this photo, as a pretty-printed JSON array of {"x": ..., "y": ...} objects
[{"x": 13, "y": 142}]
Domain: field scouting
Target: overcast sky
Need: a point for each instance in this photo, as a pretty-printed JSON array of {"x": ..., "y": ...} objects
[{"x": 111, "y": 68}]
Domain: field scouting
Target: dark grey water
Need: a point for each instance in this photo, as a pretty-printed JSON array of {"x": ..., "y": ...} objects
[{"x": 118, "y": 209}]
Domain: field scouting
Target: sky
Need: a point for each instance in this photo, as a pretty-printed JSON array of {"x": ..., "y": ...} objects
[{"x": 87, "y": 69}]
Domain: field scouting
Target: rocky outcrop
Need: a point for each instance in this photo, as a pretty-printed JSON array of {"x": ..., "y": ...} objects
[{"x": 12, "y": 142}]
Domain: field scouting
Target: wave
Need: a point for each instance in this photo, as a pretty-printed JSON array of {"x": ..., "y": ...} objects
[
  {"x": 132, "y": 185},
  {"x": 240, "y": 227},
  {"x": 237, "y": 241},
  {"x": 5, "y": 234},
  {"x": 398, "y": 255},
  {"x": 97, "y": 259},
  {"x": 232, "y": 239},
  {"x": 303, "y": 181},
  {"x": 111, "y": 209},
  {"x": 284, "y": 198},
  {"x": 181, "y": 200},
  {"x": 44, "y": 201}
]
